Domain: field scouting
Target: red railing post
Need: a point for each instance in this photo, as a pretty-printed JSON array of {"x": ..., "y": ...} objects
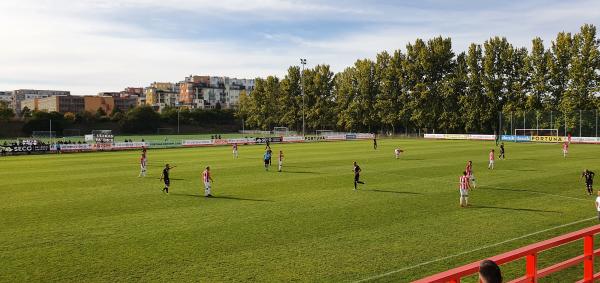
[
  {"x": 531, "y": 268},
  {"x": 588, "y": 261},
  {"x": 455, "y": 280}
]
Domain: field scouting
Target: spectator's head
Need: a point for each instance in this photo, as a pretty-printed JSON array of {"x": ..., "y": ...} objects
[{"x": 489, "y": 272}]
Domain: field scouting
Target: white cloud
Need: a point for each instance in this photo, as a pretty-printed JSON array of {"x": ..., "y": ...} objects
[{"x": 66, "y": 45}]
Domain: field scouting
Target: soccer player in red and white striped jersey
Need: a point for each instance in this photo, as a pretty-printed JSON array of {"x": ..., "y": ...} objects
[
  {"x": 464, "y": 187},
  {"x": 469, "y": 170},
  {"x": 142, "y": 166},
  {"x": 491, "y": 159},
  {"x": 207, "y": 178},
  {"x": 565, "y": 149}
]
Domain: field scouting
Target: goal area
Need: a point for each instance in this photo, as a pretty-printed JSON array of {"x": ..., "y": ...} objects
[
  {"x": 165, "y": 131},
  {"x": 281, "y": 131},
  {"x": 323, "y": 132},
  {"x": 43, "y": 134},
  {"x": 537, "y": 132}
]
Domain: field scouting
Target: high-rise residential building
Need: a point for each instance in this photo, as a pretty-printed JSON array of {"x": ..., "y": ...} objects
[
  {"x": 131, "y": 91},
  {"x": 93, "y": 103},
  {"x": 208, "y": 92},
  {"x": 58, "y": 103},
  {"x": 124, "y": 103},
  {"x": 23, "y": 94},
  {"x": 6, "y": 96},
  {"x": 161, "y": 95}
]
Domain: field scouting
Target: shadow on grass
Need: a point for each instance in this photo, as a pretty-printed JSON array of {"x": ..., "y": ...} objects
[
  {"x": 392, "y": 192},
  {"x": 512, "y": 190},
  {"x": 299, "y": 172},
  {"x": 220, "y": 197},
  {"x": 513, "y": 209},
  {"x": 507, "y": 169}
]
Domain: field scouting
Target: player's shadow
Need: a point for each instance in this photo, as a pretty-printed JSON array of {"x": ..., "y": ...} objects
[
  {"x": 508, "y": 169},
  {"x": 512, "y": 190},
  {"x": 299, "y": 172},
  {"x": 513, "y": 209},
  {"x": 392, "y": 192},
  {"x": 221, "y": 197},
  {"x": 237, "y": 198}
]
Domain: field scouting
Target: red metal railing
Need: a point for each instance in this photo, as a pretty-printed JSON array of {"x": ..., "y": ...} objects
[{"x": 532, "y": 273}]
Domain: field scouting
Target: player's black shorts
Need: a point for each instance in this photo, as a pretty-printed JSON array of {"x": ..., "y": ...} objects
[
  {"x": 356, "y": 177},
  {"x": 267, "y": 161},
  {"x": 588, "y": 185},
  {"x": 167, "y": 182}
]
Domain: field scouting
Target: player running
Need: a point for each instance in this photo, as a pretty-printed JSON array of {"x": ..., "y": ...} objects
[
  {"x": 142, "y": 166},
  {"x": 270, "y": 152},
  {"x": 397, "y": 152},
  {"x": 501, "y": 151},
  {"x": 280, "y": 160},
  {"x": 469, "y": 170},
  {"x": 374, "y": 142},
  {"x": 267, "y": 159},
  {"x": 565, "y": 149},
  {"x": 165, "y": 177},
  {"x": 589, "y": 180},
  {"x": 235, "y": 150},
  {"x": 598, "y": 204},
  {"x": 207, "y": 178},
  {"x": 491, "y": 158},
  {"x": 357, "y": 171},
  {"x": 464, "y": 190}
]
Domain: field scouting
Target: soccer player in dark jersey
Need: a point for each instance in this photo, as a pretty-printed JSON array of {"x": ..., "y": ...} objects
[
  {"x": 501, "y": 151},
  {"x": 356, "y": 171},
  {"x": 267, "y": 159},
  {"x": 270, "y": 152},
  {"x": 589, "y": 180},
  {"x": 374, "y": 142},
  {"x": 165, "y": 177}
]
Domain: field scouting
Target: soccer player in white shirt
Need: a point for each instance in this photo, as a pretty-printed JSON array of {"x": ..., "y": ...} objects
[
  {"x": 280, "y": 160},
  {"x": 492, "y": 157},
  {"x": 235, "y": 150},
  {"x": 397, "y": 152},
  {"x": 464, "y": 187},
  {"x": 469, "y": 170},
  {"x": 142, "y": 166},
  {"x": 207, "y": 178},
  {"x": 598, "y": 204}
]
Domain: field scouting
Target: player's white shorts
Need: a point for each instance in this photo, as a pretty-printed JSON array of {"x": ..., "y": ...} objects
[
  {"x": 565, "y": 151},
  {"x": 207, "y": 185},
  {"x": 472, "y": 177},
  {"x": 143, "y": 167},
  {"x": 464, "y": 192},
  {"x": 492, "y": 162}
]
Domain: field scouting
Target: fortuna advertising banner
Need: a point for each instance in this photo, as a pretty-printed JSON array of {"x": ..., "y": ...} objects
[{"x": 547, "y": 139}]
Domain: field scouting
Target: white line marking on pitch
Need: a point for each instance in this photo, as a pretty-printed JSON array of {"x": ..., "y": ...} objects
[
  {"x": 470, "y": 251},
  {"x": 500, "y": 188},
  {"x": 535, "y": 192}
]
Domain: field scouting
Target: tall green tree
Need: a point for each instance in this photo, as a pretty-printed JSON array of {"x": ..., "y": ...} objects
[{"x": 290, "y": 99}]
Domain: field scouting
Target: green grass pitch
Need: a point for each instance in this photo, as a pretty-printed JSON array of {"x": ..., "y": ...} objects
[{"x": 88, "y": 218}]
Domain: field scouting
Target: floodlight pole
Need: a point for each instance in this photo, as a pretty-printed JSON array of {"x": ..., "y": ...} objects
[
  {"x": 178, "y": 109},
  {"x": 50, "y": 131},
  {"x": 302, "y": 62}
]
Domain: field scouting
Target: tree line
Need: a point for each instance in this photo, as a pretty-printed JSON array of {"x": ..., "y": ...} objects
[
  {"x": 137, "y": 120},
  {"x": 431, "y": 88}
]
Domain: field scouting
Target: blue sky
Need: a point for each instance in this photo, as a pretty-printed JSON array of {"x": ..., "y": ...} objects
[{"x": 88, "y": 46}]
